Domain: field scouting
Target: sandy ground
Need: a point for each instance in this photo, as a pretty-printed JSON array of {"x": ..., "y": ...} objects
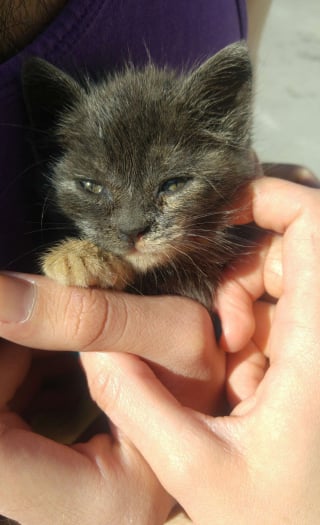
[{"x": 287, "y": 120}]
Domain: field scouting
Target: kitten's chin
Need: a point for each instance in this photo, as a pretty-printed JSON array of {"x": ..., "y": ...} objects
[{"x": 143, "y": 262}]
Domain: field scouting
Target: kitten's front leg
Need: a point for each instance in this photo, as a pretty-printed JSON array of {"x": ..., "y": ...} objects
[{"x": 76, "y": 262}]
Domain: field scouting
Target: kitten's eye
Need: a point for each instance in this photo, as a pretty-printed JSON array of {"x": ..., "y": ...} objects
[
  {"x": 174, "y": 185},
  {"x": 91, "y": 187}
]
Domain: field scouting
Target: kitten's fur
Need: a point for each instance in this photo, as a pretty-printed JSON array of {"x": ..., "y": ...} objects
[{"x": 147, "y": 164}]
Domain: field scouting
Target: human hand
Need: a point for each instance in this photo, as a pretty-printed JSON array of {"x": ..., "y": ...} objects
[
  {"x": 260, "y": 464},
  {"x": 291, "y": 172},
  {"x": 175, "y": 335}
]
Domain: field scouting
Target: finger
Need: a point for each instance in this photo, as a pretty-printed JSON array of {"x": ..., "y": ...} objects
[
  {"x": 14, "y": 365},
  {"x": 294, "y": 211},
  {"x": 30, "y": 493},
  {"x": 247, "y": 367},
  {"x": 173, "y": 440},
  {"x": 199, "y": 384},
  {"x": 264, "y": 313},
  {"x": 178, "y": 517},
  {"x": 276, "y": 205},
  {"x": 291, "y": 172},
  {"x": 66, "y": 318},
  {"x": 48, "y": 483},
  {"x": 255, "y": 275},
  {"x": 245, "y": 371}
]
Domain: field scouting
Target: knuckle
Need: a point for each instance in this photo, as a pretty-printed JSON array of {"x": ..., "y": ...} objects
[
  {"x": 191, "y": 339},
  {"x": 105, "y": 374},
  {"x": 200, "y": 329},
  {"x": 97, "y": 321},
  {"x": 86, "y": 316},
  {"x": 104, "y": 388}
]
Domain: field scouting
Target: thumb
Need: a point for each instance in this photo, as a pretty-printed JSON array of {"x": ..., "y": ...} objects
[
  {"x": 176, "y": 441},
  {"x": 37, "y": 312}
]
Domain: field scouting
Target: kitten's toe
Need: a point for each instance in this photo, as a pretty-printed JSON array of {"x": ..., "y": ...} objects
[
  {"x": 80, "y": 263},
  {"x": 73, "y": 263}
]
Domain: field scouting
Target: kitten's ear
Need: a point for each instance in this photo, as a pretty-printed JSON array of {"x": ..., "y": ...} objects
[
  {"x": 220, "y": 90},
  {"x": 47, "y": 92}
]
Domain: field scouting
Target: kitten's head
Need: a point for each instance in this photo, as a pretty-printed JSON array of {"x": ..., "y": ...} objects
[{"x": 146, "y": 162}]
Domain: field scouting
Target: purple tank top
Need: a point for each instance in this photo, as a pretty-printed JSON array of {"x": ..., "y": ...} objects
[{"x": 97, "y": 35}]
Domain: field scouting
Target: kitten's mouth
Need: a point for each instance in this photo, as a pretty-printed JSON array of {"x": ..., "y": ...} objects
[
  {"x": 137, "y": 250},
  {"x": 140, "y": 248},
  {"x": 143, "y": 257},
  {"x": 133, "y": 251}
]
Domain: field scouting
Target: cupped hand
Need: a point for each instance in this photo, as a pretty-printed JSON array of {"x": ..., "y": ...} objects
[
  {"x": 105, "y": 479},
  {"x": 260, "y": 464}
]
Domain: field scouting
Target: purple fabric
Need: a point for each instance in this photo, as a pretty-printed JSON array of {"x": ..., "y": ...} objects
[{"x": 97, "y": 35}]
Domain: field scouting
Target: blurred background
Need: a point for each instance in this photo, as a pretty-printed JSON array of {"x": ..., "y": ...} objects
[{"x": 287, "y": 114}]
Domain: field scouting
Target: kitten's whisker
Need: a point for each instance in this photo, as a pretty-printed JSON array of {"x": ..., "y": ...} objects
[
  {"x": 37, "y": 249},
  {"x": 24, "y": 127},
  {"x": 228, "y": 246},
  {"x": 186, "y": 255},
  {"x": 176, "y": 271},
  {"x": 45, "y": 204},
  {"x": 136, "y": 290},
  {"x": 155, "y": 277},
  {"x": 43, "y": 230},
  {"x": 17, "y": 177},
  {"x": 222, "y": 213}
]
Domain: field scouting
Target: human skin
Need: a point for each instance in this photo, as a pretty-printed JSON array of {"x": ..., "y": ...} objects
[
  {"x": 16, "y": 362},
  {"x": 22, "y": 20},
  {"x": 260, "y": 464},
  {"x": 263, "y": 456},
  {"x": 62, "y": 480}
]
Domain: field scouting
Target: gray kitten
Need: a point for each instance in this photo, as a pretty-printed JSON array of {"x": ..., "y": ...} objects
[{"x": 147, "y": 164}]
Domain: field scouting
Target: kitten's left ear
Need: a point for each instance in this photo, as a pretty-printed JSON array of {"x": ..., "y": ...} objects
[
  {"x": 47, "y": 92},
  {"x": 219, "y": 92}
]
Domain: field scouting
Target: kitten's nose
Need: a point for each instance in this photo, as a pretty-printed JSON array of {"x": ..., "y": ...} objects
[{"x": 132, "y": 234}]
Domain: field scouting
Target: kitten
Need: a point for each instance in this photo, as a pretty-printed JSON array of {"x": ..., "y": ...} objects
[{"x": 147, "y": 164}]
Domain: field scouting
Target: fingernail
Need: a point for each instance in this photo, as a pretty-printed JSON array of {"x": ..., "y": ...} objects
[{"x": 17, "y": 298}]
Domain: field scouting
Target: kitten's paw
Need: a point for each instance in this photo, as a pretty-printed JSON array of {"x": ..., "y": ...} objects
[{"x": 76, "y": 262}]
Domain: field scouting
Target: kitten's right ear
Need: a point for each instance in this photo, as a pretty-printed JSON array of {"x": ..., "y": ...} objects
[
  {"x": 218, "y": 94},
  {"x": 47, "y": 92}
]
